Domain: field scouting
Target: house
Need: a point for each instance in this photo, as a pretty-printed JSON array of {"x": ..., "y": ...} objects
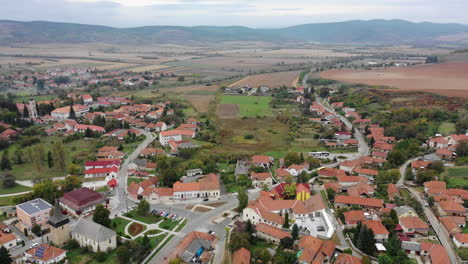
[
  {"x": 270, "y": 233},
  {"x": 44, "y": 254},
  {"x": 334, "y": 186},
  {"x": 296, "y": 169},
  {"x": 135, "y": 190},
  {"x": 315, "y": 250},
  {"x": 151, "y": 152},
  {"x": 413, "y": 224},
  {"x": 380, "y": 232},
  {"x": 189, "y": 248},
  {"x": 379, "y": 154},
  {"x": 93, "y": 235},
  {"x": 101, "y": 164},
  {"x": 262, "y": 161},
  {"x": 350, "y": 165},
  {"x": 110, "y": 172},
  {"x": 302, "y": 191},
  {"x": 361, "y": 190},
  {"x": 241, "y": 256},
  {"x": 281, "y": 174},
  {"x": 348, "y": 181},
  {"x": 438, "y": 142},
  {"x": 31, "y": 213},
  {"x": 436, "y": 253},
  {"x": 445, "y": 153},
  {"x": 392, "y": 191},
  {"x": 331, "y": 172},
  {"x": 405, "y": 211},
  {"x": 7, "y": 239},
  {"x": 261, "y": 179},
  {"x": 369, "y": 173},
  {"x": 461, "y": 240},
  {"x": 344, "y": 258},
  {"x": 81, "y": 202},
  {"x": 353, "y": 217},
  {"x": 450, "y": 208},
  {"x": 348, "y": 201},
  {"x": 82, "y": 128},
  {"x": 158, "y": 194},
  {"x": 176, "y": 135},
  {"x": 434, "y": 185},
  {"x": 453, "y": 224}
]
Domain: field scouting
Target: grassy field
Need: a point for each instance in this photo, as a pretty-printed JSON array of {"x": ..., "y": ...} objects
[
  {"x": 78, "y": 149},
  {"x": 457, "y": 177},
  {"x": 150, "y": 219},
  {"x": 250, "y": 106},
  {"x": 118, "y": 225},
  {"x": 447, "y": 128},
  {"x": 9, "y": 200},
  {"x": 16, "y": 189}
]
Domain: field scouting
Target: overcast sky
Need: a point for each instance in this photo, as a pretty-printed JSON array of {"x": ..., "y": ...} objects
[{"x": 252, "y": 13}]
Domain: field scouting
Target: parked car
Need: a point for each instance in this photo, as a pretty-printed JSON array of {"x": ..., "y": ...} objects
[
  {"x": 320, "y": 228},
  {"x": 34, "y": 245},
  {"x": 206, "y": 199}
]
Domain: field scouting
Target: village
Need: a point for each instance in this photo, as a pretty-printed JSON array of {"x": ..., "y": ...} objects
[{"x": 144, "y": 182}]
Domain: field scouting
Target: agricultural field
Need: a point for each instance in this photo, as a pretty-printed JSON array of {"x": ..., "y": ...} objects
[
  {"x": 244, "y": 106},
  {"x": 457, "y": 177},
  {"x": 147, "y": 68},
  {"x": 449, "y": 79},
  {"x": 272, "y": 80},
  {"x": 200, "y": 102}
]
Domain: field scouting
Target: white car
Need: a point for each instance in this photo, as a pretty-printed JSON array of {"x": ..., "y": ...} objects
[{"x": 34, "y": 245}]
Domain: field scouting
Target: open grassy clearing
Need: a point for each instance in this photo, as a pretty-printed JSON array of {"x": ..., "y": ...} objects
[
  {"x": 9, "y": 200},
  {"x": 457, "y": 177},
  {"x": 81, "y": 149},
  {"x": 249, "y": 106},
  {"x": 149, "y": 219},
  {"x": 447, "y": 128},
  {"x": 16, "y": 189},
  {"x": 268, "y": 135},
  {"x": 272, "y": 80},
  {"x": 118, "y": 225}
]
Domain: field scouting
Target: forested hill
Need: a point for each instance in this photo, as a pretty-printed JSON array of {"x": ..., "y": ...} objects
[{"x": 372, "y": 31}]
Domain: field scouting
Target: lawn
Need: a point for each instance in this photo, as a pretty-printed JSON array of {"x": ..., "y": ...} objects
[
  {"x": 181, "y": 225},
  {"x": 136, "y": 228},
  {"x": 9, "y": 200},
  {"x": 447, "y": 128},
  {"x": 259, "y": 244},
  {"x": 16, "y": 189},
  {"x": 153, "y": 232},
  {"x": 118, "y": 225},
  {"x": 465, "y": 230},
  {"x": 150, "y": 219},
  {"x": 160, "y": 246},
  {"x": 250, "y": 106},
  {"x": 168, "y": 224},
  {"x": 134, "y": 179},
  {"x": 457, "y": 177}
]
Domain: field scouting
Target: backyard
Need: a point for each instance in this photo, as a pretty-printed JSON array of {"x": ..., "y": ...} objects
[{"x": 457, "y": 177}]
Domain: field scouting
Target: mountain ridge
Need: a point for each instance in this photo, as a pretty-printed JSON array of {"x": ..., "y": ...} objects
[{"x": 353, "y": 31}]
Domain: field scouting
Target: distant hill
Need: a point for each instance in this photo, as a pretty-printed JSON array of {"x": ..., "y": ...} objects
[{"x": 372, "y": 31}]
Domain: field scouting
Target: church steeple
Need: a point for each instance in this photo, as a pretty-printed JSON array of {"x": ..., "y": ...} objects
[{"x": 58, "y": 218}]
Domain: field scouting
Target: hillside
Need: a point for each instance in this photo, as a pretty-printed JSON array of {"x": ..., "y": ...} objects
[{"x": 372, "y": 31}]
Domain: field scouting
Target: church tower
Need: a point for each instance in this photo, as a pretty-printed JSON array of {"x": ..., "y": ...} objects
[
  {"x": 59, "y": 226},
  {"x": 32, "y": 109}
]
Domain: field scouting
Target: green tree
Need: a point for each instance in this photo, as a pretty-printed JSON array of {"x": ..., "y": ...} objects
[
  {"x": 330, "y": 194},
  {"x": 176, "y": 261},
  {"x": 290, "y": 191},
  {"x": 5, "y": 163},
  {"x": 72, "y": 112},
  {"x": 424, "y": 175},
  {"x": 385, "y": 259},
  {"x": 50, "y": 160},
  {"x": 123, "y": 254},
  {"x": 286, "y": 242},
  {"x": 47, "y": 190},
  {"x": 284, "y": 257},
  {"x": 430, "y": 201},
  {"x": 18, "y": 156},
  {"x": 143, "y": 208},
  {"x": 243, "y": 199},
  {"x": 295, "y": 232},
  {"x": 8, "y": 180},
  {"x": 396, "y": 157},
  {"x": 288, "y": 179},
  {"x": 59, "y": 157},
  {"x": 286, "y": 220},
  {"x": 366, "y": 260},
  {"x": 5, "y": 257},
  {"x": 101, "y": 215},
  {"x": 36, "y": 230},
  {"x": 71, "y": 183},
  {"x": 292, "y": 158},
  {"x": 249, "y": 227},
  {"x": 239, "y": 240},
  {"x": 462, "y": 149},
  {"x": 262, "y": 254},
  {"x": 100, "y": 256}
]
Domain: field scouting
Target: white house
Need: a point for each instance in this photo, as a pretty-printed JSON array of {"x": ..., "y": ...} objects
[
  {"x": 176, "y": 135},
  {"x": 461, "y": 240}
]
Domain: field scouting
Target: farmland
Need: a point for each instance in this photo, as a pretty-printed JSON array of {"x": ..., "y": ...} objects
[
  {"x": 273, "y": 80},
  {"x": 448, "y": 79},
  {"x": 248, "y": 106},
  {"x": 457, "y": 177}
]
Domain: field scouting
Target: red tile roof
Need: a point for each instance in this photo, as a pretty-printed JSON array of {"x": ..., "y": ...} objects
[
  {"x": 49, "y": 252},
  {"x": 377, "y": 227},
  {"x": 271, "y": 231},
  {"x": 368, "y": 202},
  {"x": 241, "y": 256},
  {"x": 413, "y": 222},
  {"x": 261, "y": 159},
  {"x": 347, "y": 259},
  {"x": 82, "y": 196}
]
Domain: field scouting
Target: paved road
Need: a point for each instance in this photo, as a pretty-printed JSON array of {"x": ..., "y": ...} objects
[
  {"x": 122, "y": 200},
  {"x": 363, "y": 148},
  {"x": 441, "y": 234},
  {"x": 401, "y": 181}
]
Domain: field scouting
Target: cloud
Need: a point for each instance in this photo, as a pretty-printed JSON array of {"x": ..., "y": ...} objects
[{"x": 254, "y": 13}]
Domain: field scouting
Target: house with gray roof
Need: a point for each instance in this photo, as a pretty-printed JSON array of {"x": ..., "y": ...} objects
[
  {"x": 405, "y": 211},
  {"x": 94, "y": 235},
  {"x": 31, "y": 213}
]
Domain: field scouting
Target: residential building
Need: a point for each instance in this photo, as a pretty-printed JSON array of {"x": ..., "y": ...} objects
[
  {"x": 110, "y": 172},
  {"x": 461, "y": 240},
  {"x": 270, "y": 233},
  {"x": 176, "y": 135},
  {"x": 94, "y": 235},
  {"x": 241, "y": 256},
  {"x": 44, "y": 254},
  {"x": 7, "y": 239},
  {"x": 413, "y": 225},
  {"x": 31, "y": 213},
  {"x": 344, "y": 258},
  {"x": 261, "y": 179},
  {"x": 315, "y": 250},
  {"x": 190, "y": 245},
  {"x": 380, "y": 232},
  {"x": 348, "y": 201},
  {"x": 262, "y": 161}
]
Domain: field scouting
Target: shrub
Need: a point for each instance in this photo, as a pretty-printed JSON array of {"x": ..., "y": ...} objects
[
  {"x": 249, "y": 136},
  {"x": 100, "y": 256}
]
